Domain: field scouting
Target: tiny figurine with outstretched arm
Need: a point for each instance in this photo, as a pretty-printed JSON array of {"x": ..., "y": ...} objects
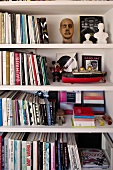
[
  {"x": 100, "y": 35},
  {"x": 56, "y": 71}
]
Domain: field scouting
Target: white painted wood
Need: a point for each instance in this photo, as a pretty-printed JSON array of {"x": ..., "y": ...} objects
[{"x": 65, "y": 128}]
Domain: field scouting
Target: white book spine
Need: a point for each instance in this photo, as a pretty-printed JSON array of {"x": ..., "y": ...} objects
[
  {"x": 4, "y": 67},
  {"x": 19, "y": 149},
  {"x": 30, "y": 70},
  {"x": 18, "y": 36},
  {"x": 4, "y": 33},
  {"x": 12, "y": 69},
  {"x": 30, "y": 28},
  {"x": 4, "y": 111},
  {"x": 12, "y": 154},
  {"x": 25, "y": 68},
  {"x": 1, "y": 68},
  {"x": 6, "y": 153},
  {"x": 8, "y": 111},
  {"x": 36, "y": 29},
  {"x": 24, "y": 164},
  {"x": 7, "y": 28},
  {"x": 35, "y": 156}
]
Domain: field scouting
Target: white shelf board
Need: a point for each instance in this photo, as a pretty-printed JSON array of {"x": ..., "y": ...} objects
[
  {"x": 57, "y": 7},
  {"x": 66, "y": 128},
  {"x": 57, "y": 46},
  {"x": 58, "y": 86}
]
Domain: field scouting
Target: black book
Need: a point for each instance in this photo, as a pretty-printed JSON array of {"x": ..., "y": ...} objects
[
  {"x": 28, "y": 36},
  {"x": 89, "y": 24},
  {"x": 39, "y": 69},
  {"x": 45, "y": 37},
  {"x": 39, "y": 30},
  {"x": 13, "y": 28},
  {"x": 22, "y": 69}
]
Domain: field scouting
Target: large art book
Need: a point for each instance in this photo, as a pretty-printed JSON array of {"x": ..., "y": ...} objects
[
  {"x": 68, "y": 60},
  {"x": 93, "y": 158},
  {"x": 89, "y": 24}
]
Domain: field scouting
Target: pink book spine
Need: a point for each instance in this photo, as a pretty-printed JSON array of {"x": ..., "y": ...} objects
[
  {"x": 62, "y": 96},
  {"x": 17, "y": 68},
  {"x": 52, "y": 156}
]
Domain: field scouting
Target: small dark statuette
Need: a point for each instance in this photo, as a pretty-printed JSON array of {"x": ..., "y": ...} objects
[
  {"x": 56, "y": 71},
  {"x": 60, "y": 117}
]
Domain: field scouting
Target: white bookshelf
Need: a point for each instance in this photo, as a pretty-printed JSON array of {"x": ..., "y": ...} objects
[{"x": 55, "y": 11}]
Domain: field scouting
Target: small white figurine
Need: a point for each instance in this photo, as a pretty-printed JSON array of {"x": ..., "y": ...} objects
[
  {"x": 100, "y": 35},
  {"x": 87, "y": 36}
]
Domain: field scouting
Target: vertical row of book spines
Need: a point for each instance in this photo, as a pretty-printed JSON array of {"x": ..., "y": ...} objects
[
  {"x": 22, "y": 29},
  {"x": 18, "y": 68},
  {"x": 22, "y": 108}
]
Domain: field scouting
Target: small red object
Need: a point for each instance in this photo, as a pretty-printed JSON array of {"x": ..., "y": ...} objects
[{"x": 107, "y": 119}]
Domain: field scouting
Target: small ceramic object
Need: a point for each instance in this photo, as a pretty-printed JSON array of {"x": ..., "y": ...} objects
[
  {"x": 100, "y": 35},
  {"x": 87, "y": 36}
]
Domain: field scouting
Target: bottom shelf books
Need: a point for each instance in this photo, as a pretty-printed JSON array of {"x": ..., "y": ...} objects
[
  {"x": 39, "y": 151},
  {"x": 94, "y": 158}
]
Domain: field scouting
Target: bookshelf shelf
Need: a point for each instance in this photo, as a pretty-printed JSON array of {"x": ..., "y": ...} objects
[
  {"x": 59, "y": 86},
  {"x": 65, "y": 128},
  {"x": 57, "y": 7},
  {"x": 57, "y": 46}
]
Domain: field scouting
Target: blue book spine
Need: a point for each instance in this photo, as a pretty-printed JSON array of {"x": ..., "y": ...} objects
[
  {"x": 15, "y": 155},
  {"x": 24, "y": 112},
  {"x": 21, "y": 29},
  {"x": 48, "y": 112},
  {"x": 59, "y": 157},
  {"x": 90, "y": 117},
  {"x": 47, "y": 155},
  {"x": 1, "y": 119}
]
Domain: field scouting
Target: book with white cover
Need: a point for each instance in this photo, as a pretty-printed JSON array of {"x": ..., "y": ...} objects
[
  {"x": 68, "y": 60},
  {"x": 1, "y": 68},
  {"x": 107, "y": 146}
]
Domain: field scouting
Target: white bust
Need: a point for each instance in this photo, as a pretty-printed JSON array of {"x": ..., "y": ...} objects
[
  {"x": 87, "y": 36},
  {"x": 100, "y": 35}
]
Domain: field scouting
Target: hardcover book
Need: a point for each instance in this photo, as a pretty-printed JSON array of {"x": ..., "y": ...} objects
[
  {"x": 68, "y": 60},
  {"x": 93, "y": 158},
  {"x": 89, "y": 24},
  {"x": 91, "y": 60}
]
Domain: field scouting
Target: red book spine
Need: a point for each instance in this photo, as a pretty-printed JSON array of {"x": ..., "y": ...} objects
[
  {"x": 93, "y": 98},
  {"x": 28, "y": 154},
  {"x": 17, "y": 68},
  {"x": 34, "y": 70}
]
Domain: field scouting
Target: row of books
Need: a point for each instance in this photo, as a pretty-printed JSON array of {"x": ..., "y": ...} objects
[
  {"x": 39, "y": 151},
  {"x": 18, "y": 68},
  {"x": 22, "y": 29},
  {"x": 22, "y": 108}
]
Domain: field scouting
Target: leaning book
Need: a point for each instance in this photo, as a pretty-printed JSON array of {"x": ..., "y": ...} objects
[{"x": 94, "y": 158}]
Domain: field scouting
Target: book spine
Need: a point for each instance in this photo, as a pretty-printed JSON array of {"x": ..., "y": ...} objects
[
  {"x": 1, "y": 68},
  {"x": 47, "y": 155},
  {"x": 17, "y": 68},
  {"x": 43, "y": 24},
  {"x": 4, "y": 67},
  {"x": 12, "y": 154},
  {"x": 24, "y": 163},
  {"x": 59, "y": 157},
  {"x": 34, "y": 70},
  {"x": 7, "y": 68},
  {"x": 52, "y": 156},
  {"x": 18, "y": 35},
  {"x": 1, "y": 116},
  {"x": 35, "y": 155},
  {"x": 4, "y": 111},
  {"x": 44, "y": 155},
  {"x": 1, "y": 152},
  {"x": 12, "y": 70},
  {"x": 28, "y": 155}
]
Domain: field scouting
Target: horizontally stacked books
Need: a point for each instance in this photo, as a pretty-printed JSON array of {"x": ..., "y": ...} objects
[{"x": 83, "y": 117}]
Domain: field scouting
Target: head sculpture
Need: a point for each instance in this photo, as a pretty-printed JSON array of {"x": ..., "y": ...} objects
[{"x": 67, "y": 30}]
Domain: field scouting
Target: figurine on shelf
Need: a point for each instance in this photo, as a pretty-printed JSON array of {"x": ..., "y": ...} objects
[
  {"x": 56, "y": 71},
  {"x": 87, "y": 36},
  {"x": 100, "y": 35},
  {"x": 60, "y": 117},
  {"x": 67, "y": 30}
]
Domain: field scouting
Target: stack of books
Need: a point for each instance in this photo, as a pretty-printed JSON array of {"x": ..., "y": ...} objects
[{"x": 83, "y": 116}]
